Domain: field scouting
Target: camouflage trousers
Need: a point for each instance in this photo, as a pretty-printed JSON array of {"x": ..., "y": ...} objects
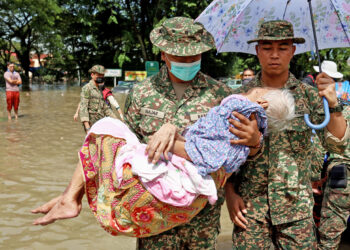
[
  {"x": 334, "y": 214},
  {"x": 262, "y": 235},
  {"x": 200, "y": 233}
]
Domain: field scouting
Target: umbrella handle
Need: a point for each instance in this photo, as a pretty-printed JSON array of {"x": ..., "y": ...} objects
[{"x": 326, "y": 119}]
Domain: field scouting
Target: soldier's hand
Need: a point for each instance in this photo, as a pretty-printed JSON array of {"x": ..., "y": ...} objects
[
  {"x": 246, "y": 129},
  {"x": 326, "y": 88},
  {"x": 161, "y": 142},
  {"x": 235, "y": 207}
]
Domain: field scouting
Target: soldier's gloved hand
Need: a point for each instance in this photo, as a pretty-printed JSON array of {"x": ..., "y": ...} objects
[
  {"x": 326, "y": 88},
  {"x": 235, "y": 206},
  {"x": 246, "y": 129},
  {"x": 161, "y": 142}
]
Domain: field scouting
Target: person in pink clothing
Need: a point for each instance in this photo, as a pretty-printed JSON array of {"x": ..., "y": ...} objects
[{"x": 13, "y": 79}]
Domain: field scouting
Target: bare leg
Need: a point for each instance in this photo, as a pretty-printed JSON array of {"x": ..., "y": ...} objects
[
  {"x": 68, "y": 205},
  {"x": 9, "y": 115},
  {"x": 16, "y": 114}
]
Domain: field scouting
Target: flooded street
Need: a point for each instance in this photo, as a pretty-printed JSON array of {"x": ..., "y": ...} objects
[{"x": 38, "y": 156}]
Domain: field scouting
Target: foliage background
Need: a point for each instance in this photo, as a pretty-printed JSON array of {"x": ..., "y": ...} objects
[{"x": 114, "y": 33}]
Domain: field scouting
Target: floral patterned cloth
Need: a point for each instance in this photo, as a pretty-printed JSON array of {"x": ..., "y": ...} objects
[
  {"x": 129, "y": 210},
  {"x": 233, "y": 22},
  {"x": 208, "y": 140}
]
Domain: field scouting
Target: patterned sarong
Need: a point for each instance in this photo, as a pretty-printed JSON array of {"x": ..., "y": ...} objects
[{"x": 129, "y": 210}]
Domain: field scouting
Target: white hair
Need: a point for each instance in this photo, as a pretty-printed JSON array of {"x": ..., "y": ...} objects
[{"x": 281, "y": 109}]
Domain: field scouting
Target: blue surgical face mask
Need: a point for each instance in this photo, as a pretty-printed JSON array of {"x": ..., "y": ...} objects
[{"x": 185, "y": 71}]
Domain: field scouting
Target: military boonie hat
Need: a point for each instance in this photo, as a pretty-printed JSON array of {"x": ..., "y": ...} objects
[
  {"x": 180, "y": 36},
  {"x": 99, "y": 69},
  {"x": 277, "y": 30}
]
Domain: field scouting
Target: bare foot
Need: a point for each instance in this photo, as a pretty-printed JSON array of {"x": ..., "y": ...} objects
[
  {"x": 63, "y": 209},
  {"x": 47, "y": 206}
]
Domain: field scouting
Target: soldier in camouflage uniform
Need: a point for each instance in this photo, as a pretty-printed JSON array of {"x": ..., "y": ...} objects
[
  {"x": 155, "y": 103},
  {"x": 92, "y": 105},
  {"x": 271, "y": 200},
  {"x": 335, "y": 209}
]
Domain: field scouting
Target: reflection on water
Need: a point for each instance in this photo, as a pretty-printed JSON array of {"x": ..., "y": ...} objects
[{"x": 38, "y": 155}]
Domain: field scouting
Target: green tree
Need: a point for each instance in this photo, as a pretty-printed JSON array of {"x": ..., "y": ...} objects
[{"x": 25, "y": 22}]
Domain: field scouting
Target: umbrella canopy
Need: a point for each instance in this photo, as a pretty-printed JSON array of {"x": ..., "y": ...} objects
[{"x": 234, "y": 22}]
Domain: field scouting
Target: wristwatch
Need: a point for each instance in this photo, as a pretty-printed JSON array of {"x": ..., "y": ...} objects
[{"x": 338, "y": 108}]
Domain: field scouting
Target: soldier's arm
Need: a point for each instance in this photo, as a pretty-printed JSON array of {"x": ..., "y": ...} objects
[
  {"x": 330, "y": 142},
  {"x": 84, "y": 104},
  {"x": 132, "y": 114}
]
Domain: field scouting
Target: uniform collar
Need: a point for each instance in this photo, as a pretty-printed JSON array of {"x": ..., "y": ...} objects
[
  {"x": 163, "y": 79},
  {"x": 291, "y": 83}
]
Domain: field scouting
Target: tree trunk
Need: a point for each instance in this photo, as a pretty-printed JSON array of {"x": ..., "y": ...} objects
[
  {"x": 137, "y": 33},
  {"x": 24, "y": 59}
]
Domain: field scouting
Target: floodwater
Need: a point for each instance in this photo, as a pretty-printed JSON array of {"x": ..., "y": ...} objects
[{"x": 38, "y": 154}]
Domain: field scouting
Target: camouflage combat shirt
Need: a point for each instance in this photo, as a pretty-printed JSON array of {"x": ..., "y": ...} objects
[
  {"x": 276, "y": 183},
  {"x": 153, "y": 103},
  {"x": 92, "y": 105}
]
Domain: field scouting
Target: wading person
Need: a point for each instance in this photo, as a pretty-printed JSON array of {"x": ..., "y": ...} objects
[
  {"x": 92, "y": 104},
  {"x": 270, "y": 199},
  {"x": 169, "y": 102},
  {"x": 13, "y": 79}
]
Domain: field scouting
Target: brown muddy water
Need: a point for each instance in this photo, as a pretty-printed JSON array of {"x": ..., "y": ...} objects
[{"x": 38, "y": 154}]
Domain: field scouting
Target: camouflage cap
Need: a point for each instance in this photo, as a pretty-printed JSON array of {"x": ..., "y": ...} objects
[
  {"x": 276, "y": 30},
  {"x": 180, "y": 36},
  {"x": 99, "y": 69}
]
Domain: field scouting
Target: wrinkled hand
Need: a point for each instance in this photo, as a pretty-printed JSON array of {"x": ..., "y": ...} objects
[
  {"x": 263, "y": 103},
  {"x": 317, "y": 186},
  {"x": 246, "y": 129},
  {"x": 236, "y": 207},
  {"x": 326, "y": 88},
  {"x": 161, "y": 142}
]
